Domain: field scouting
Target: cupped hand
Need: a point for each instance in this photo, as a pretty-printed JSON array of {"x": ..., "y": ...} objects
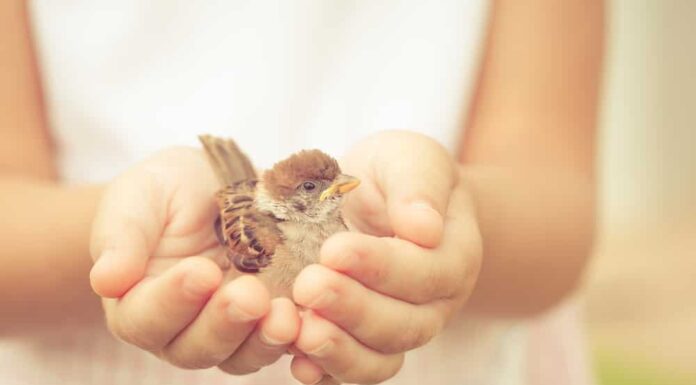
[
  {"x": 154, "y": 252},
  {"x": 391, "y": 286}
]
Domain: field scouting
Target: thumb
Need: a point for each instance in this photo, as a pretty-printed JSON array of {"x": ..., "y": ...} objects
[
  {"x": 416, "y": 176},
  {"x": 124, "y": 234}
]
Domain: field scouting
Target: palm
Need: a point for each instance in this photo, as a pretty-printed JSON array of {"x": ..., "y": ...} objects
[
  {"x": 394, "y": 170},
  {"x": 154, "y": 238},
  {"x": 365, "y": 208},
  {"x": 185, "y": 183}
]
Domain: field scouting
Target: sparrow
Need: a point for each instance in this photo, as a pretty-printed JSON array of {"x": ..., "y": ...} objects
[{"x": 274, "y": 226}]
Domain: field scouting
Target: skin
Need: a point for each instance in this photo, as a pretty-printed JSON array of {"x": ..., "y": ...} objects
[{"x": 504, "y": 229}]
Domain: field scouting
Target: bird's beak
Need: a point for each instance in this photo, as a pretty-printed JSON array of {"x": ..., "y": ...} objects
[{"x": 341, "y": 185}]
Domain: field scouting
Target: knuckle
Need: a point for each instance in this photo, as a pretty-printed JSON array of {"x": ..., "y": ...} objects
[
  {"x": 262, "y": 359},
  {"x": 419, "y": 336},
  {"x": 413, "y": 335},
  {"x": 375, "y": 269},
  {"x": 370, "y": 373},
  {"x": 134, "y": 331},
  {"x": 330, "y": 280},
  {"x": 238, "y": 367},
  {"x": 389, "y": 371},
  {"x": 186, "y": 361},
  {"x": 352, "y": 314},
  {"x": 349, "y": 370},
  {"x": 333, "y": 337},
  {"x": 465, "y": 274},
  {"x": 433, "y": 281}
]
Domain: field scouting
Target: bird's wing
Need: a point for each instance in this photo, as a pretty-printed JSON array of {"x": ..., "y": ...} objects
[
  {"x": 251, "y": 236},
  {"x": 230, "y": 164}
]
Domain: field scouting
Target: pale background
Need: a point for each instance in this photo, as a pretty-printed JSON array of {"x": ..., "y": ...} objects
[{"x": 641, "y": 292}]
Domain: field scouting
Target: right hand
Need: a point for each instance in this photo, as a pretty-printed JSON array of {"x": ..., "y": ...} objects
[{"x": 153, "y": 244}]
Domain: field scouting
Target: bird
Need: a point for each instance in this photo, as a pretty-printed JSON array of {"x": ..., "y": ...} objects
[{"x": 273, "y": 224}]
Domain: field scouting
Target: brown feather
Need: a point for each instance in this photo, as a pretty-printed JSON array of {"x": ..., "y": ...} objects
[
  {"x": 250, "y": 236},
  {"x": 282, "y": 180},
  {"x": 229, "y": 163}
]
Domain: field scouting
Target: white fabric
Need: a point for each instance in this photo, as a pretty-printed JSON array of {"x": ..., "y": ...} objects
[{"x": 126, "y": 78}]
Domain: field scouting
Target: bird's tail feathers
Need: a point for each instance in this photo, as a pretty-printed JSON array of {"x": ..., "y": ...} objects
[{"x": 230, "y": 164}]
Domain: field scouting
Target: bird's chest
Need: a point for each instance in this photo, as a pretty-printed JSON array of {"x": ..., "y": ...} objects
[
  {"x": 304, "y": 240},
  {"x": 300, "y": 247}
]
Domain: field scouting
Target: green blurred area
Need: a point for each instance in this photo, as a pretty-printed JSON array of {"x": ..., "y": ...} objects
[{"x": 612, "y": 368}]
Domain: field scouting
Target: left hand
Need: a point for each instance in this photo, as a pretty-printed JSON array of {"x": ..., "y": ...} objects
[
  {"x": 153, "y": 246},
  {"x": 392, "y": 286}
]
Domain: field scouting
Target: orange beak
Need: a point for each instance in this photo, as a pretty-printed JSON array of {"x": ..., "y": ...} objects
[{"x": 343, "y": 184}]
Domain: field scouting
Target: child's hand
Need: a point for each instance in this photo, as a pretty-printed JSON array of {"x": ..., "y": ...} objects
[
  {"x": 374, "y": 298},
  {"x": 150, "y": 240}
]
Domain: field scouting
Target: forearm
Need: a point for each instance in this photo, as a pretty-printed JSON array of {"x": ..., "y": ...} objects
[
  {"x": 537, "y": 230},
  {"x": 529, "y": 151},
  {"x": 44, "y": 245}
]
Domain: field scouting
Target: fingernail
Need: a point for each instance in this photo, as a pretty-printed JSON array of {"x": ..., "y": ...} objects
[
  {"x": 270, "y": 341},
  {"x": 326, "y": 298},
  {"x": 322, "y": 350},
  {"x": 236, "y": 314}
]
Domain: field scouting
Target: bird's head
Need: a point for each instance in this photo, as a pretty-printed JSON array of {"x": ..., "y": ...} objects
[{"x": 307, "y": 186}]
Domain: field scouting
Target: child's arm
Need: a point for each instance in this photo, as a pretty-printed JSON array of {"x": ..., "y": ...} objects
[
  {"x": 530, "y": 151},
  {"x": 44, "y": 227},
  {"x": 44, "y": 258}
]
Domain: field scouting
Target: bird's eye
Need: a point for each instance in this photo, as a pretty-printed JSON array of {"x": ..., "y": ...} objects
[{"x": 309, "y": 186}]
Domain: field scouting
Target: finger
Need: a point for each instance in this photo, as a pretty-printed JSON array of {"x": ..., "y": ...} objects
[
  {"x": 157, "y": 309},
  {"x": 270, "y": 340},
  {"x": 221, "y": 327},
  {"x": 395, "y": 267},
  {"x": 383, "y": 323},
  {"x": 306, "y": 371},
  {"x": 341, "y": 356},
  {"x": 365, "y": 209},
  {"x": 309, "y": 373},
  {"x": 124, "y": 234},
  {"x": 328, "y": 380},
  {"x": 416, "y": 176}
]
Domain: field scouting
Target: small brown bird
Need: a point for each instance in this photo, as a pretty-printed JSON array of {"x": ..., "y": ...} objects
[{"x": 275, "y": 225}]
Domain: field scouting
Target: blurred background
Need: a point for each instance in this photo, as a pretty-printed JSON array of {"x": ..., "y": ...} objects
[{"x": 641, "y": 297}]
